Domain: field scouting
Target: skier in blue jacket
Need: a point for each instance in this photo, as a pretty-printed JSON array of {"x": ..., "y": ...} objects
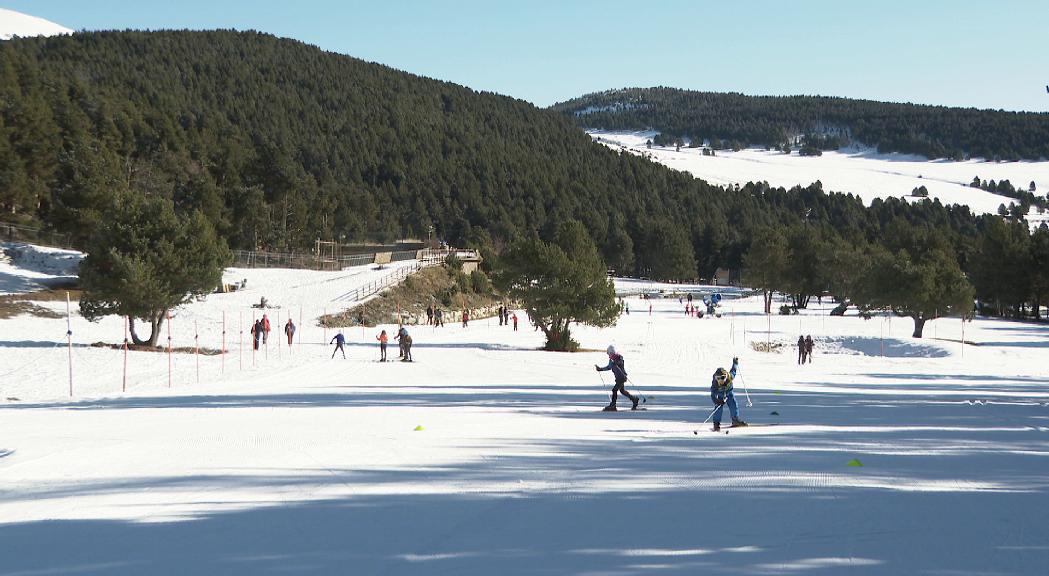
[
  {"x": 721, "y": 393},
  {"x": 339, "y": 341},
  {"x": 618, "y": 368}
]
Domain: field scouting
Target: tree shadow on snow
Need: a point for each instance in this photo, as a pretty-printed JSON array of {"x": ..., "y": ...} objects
[{"x": 888, "y": 347}]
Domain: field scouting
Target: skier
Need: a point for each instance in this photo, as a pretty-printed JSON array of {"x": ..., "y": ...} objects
[
  {"x": 339, "y": 340},
  {"x": 429, "y": 315},
  {"x": 617, "y": 365},
  {"x": 721, "y": 393},
  {"x": 500, "y": 311},
  {"x": 438, "y": 318},
  {"x": 256, "y": 333},
  {"x": 383, "y": 339},
  {"x": 801, "y": 350},
  {"x": 405, "y": 342},
  {"x": 466, "y": 318},
  {"x": 289, "y": 330},
  {"x": 265, "y": 329},
  {"x": 515, "y": 321},
  {"x": 808, "y": 348}
]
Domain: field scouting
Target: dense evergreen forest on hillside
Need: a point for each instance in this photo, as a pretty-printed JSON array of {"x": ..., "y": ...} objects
[
  {"x": 277, "y": 143},
  {"x": 280, "y": 143},
  {"x": 735, "y": 120}
]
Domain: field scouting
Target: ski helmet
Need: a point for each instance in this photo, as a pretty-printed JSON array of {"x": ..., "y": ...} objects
[
  {"x": 721, "y": 376},
  {"x": 611, "y": 350}
]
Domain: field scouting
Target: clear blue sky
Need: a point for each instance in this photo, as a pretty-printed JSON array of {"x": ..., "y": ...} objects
[{"x": 957, "y": 53}]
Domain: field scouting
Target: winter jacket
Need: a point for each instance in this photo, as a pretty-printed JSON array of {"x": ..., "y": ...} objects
[
  {"x": 338, "y": 339},
  {"x": 717, "y": 390},
  {"x": 618, "y": 367}
]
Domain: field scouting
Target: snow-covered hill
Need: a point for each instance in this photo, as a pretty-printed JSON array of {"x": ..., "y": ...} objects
[
  {"x": 866, "y": 174},
  {"x": 23, "y": 25}
]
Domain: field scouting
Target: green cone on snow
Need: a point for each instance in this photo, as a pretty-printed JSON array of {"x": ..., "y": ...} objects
[
  {"x": 419, "y": 428},
  {"x": 854, "y": 463}
]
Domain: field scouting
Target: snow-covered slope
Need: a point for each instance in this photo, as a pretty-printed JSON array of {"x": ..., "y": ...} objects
[
  {"x": 487, "y": 456},
  {"x": 18, "y": 24},
  {"x": 26, "y": 267},
  {"x": 866, "y": 174}
]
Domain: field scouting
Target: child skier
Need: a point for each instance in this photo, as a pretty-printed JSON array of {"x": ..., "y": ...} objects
[
  {"x": 721, "y": 393},
  {"x": 383, "y": 339},
  {"x": 618, "y": 367},
  {"x": 339, "y": 340},
  {"x": 289, "y": 329}
]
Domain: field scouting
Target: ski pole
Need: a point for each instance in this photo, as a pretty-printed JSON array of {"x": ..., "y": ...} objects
[
  {"x": 603, "y": 384},
  {"x": 711, "y": 413},
  {"x": 744, "y": 382},
  {"x": 644, "y": 399}
]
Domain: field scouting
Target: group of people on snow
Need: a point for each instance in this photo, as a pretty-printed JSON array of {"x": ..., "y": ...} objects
[
  {"x": 505, "y": 316},
  {"x": 434, "y": 316},
  {"x": 805, "y": 349},
  {"x": 260, "y": 331},
  {"x": 721, "y": 392},
  {"x": 404, "y": 341}
]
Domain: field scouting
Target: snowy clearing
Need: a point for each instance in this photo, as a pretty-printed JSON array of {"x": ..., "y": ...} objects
[
  {"x": 294, "y": 462},
  {"x": 866, "y": 174}
]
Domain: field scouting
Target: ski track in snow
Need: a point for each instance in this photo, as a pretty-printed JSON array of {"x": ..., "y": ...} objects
[{"x": 294, "y": 462}]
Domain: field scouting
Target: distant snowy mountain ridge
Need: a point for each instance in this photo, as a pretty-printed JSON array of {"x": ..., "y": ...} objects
[{"x": 23, "y": 25}]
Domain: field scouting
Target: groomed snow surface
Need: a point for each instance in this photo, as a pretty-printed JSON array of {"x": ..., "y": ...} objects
[
  {"x": 294, "y": 462},
  {"x": 864, "y": 173}
]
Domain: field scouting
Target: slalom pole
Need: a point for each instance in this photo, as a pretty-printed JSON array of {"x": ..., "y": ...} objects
[
  {"x": 69, "y": 342},
  {"x": 196, "y": 348},
  {"x": 169, "y": 349},
  {"x": 254, "y": 339},
  {"x": 127, "y": 320},
  {"x": 278, "y": 337},
  {"x": 223, "y": 342},
  {"x": 240, "y": 338}
]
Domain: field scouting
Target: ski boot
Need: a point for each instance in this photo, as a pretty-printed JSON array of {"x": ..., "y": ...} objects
[
  {"x": 636, "y": 400},
  {"x": 609, "y": 408},
  {"x": 717, "y": 426},
  {"x": 738, "y": 423}
]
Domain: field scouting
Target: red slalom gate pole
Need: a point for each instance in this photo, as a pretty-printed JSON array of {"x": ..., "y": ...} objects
[
  {"x": 127, "y": 320},
  {"x": 196, "y": 348},
  {"x": 169, "y": 350},
  {"x": 240, "y": 339},
  {"x": 324, "y": 312},
  {"x": 69, "y": 342}
]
